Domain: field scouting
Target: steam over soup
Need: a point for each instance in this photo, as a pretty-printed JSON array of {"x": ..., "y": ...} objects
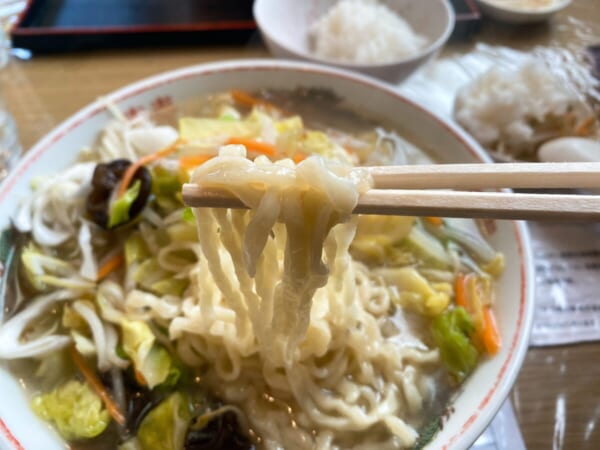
[{"x": 138, "y": 323}]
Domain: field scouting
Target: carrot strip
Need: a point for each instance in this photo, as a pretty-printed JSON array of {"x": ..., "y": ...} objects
[
  {"x": 299, "y": 157},
  {"x": 109, "y": 266},
  {"x": 435, "y": 221},
  {"x": 243, "y": 97},
  {"x": 132, "y": 169},
  {"x": 98, "y": 387},
  {"x": 490, "y": 334},
  {"x": 583, "y": 129},
  {"x": 460, "y": 293},
  {"x": 253, "y": 146},
  {"x": 192, "y": 161},
  {"x": 139, "y": 378}
]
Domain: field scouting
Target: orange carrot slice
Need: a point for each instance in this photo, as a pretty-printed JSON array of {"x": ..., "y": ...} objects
[
  {"x": 490, "y": 335},
  {"x": 460, "y": 292},
  {"x": 254, "y": 146},
  {"x": 584, "y": 128},
  {"x": 192, "y": 161},
  {"x": 435, "y": 221},
  {"x": 130, "y": 172},
  {"x": 244, "y": 98},
  {"x": 299, "y": 157},
  {"x": 98, "y": 387},
  {"x": 110, "y": 265}
]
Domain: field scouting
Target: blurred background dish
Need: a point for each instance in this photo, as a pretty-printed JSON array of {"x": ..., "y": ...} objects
[
  {"x": 10, "y": 148},
  {"x": 74, "y": 25},
  {"x": 522, "y": 11},
  {"x": 286, "y": 27},
  {"x": 512, "y": 112}
]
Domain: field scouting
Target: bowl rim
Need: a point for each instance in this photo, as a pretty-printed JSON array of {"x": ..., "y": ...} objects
[
  {"x": 429, "y": 49},
  {"x": 546, "y": 10},
  {"x": 476, "y": 423}
]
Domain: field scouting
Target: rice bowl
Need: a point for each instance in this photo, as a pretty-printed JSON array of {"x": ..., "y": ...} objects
[{"x": 284, "y": 26}]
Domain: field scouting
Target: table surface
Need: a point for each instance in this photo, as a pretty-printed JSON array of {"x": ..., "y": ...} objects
[{"x": 557, "y": 394}]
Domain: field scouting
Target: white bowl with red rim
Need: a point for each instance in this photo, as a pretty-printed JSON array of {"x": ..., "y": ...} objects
[{"x": 484, "y": 391}]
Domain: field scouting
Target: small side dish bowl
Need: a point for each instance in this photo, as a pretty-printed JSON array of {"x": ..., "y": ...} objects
[
  {"x": 285, "y": 24},
  {"x": 521, "y": 14},
  {"x": 481, "y": 395}
]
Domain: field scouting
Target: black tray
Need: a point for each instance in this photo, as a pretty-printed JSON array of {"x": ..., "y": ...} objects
[{"x": 65, "y": 25}]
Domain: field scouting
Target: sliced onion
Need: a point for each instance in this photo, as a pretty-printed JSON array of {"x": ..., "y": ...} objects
[
  {"x": 11, "y": 345},
  {"x": 89, "y": 266},
  {"x": 86, "y": 311},
  {"x": 150, "y": 140}
]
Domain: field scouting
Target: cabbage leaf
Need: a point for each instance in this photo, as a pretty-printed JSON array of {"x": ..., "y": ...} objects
[
  {"x": 75, "y": 409},
  {"x": 150, "y": 360},
  {"x": 200, "y": 129},
  {"x": 165, "y": 427},
  {"x": 119, "y": 209},
  {"x": 451, "y": 332},
  {"x": 412, "y": 291},
  {"x": 42, "y": 271},
  {"x": 377, "y": 238}
]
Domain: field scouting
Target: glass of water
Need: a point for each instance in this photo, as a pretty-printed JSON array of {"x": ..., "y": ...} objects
[
  {"x": 9, "y": 11},
  {"x": 10, "y": 148}
]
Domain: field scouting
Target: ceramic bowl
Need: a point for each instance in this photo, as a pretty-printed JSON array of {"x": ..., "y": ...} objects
[
  {"x": 284, "y": 26},
  {"x": 481, "y": 395},
  {"x": 516, "y": 15}
]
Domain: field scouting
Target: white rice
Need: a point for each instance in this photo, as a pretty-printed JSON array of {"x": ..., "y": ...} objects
[
  {"x": 512, "y": 112},
  {"x": 364, "y": 32}
]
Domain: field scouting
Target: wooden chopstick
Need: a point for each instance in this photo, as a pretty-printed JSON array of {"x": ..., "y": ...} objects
[
  {"x": 493, "y": 205},
  {"x": 488, "y": 176}
]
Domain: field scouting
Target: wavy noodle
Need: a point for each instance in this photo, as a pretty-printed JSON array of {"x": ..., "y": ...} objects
[{"x": 325, "y": 385}]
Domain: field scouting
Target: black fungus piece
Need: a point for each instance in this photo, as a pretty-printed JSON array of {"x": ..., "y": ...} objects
[
  {"x": 106, "y": 178},
  {"x": 139, "y": 400},
  {"x": 139, "y": 404},
  {"x": 12, "y": 242},
  {"x": 221, "y": 433}
]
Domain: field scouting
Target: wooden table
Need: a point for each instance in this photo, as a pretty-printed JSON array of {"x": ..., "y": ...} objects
[{"x": 557, "y": 395}]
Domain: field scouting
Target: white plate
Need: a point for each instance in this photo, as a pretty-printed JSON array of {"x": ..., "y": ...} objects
[
  {"x": 518, "y": 15},
  {"x": 482, "y": 394}
]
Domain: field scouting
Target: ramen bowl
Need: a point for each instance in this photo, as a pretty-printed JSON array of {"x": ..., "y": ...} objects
[{"x": 479, "y": 398}]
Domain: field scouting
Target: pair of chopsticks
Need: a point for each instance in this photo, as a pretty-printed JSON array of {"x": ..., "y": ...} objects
[{"x": 415, "y": 190}]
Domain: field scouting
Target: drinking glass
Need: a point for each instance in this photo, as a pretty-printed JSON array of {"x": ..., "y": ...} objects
[{"x": 10, "y": 149}]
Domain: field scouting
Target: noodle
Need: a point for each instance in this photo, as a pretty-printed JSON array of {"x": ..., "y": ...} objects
[{"x": 300, "y": 345}]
